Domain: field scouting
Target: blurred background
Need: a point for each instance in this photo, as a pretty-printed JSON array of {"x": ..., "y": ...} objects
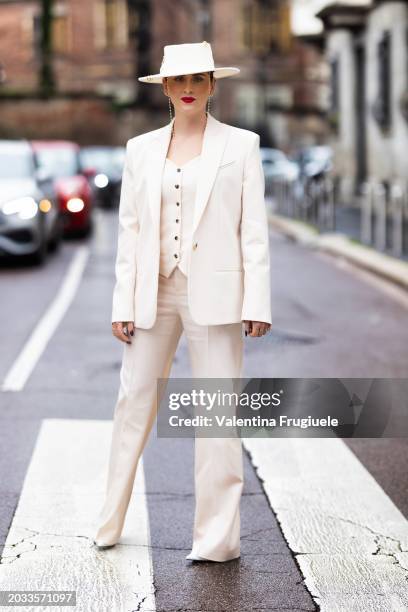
[{"x": 324, "y": 84}]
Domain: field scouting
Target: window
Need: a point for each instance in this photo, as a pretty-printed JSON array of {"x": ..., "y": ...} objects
[
  {"x": 60, "y": 41},
  {"x": 265, "y": 26},
  {"x": 111, "y": 24},
  {"x": 382, "y": 105},
  {"x": 334, "y": 95}
]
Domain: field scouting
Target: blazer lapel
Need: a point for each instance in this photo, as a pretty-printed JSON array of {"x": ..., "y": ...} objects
[{"x": 214, "y": 141}]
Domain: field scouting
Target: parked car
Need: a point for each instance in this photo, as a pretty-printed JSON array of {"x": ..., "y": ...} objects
[
  {"x": 60, "y": 159},
  {"x": 30, "y": 221},
  {"x": 314, "y": 161},
  {"x": 104, "y": 166},
  {"x": 277, "y": 167}
]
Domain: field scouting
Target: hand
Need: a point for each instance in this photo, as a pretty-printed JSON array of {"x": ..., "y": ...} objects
[
  {"x": 120, "y": 327},
  {"x": 256, "y": 329}
]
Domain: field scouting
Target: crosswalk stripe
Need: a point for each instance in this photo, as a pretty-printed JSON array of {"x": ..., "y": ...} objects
[
  {"x": 25, "y": 363},
  {"x": 50, "y": 543},
  {"x": 348, "y": 537}
]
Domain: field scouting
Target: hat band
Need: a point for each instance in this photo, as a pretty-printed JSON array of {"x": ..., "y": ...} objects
[{"x": 207, "y": 67}]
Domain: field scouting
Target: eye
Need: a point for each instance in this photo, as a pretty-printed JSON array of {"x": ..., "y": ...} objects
[{"x": 198, "y": 78}]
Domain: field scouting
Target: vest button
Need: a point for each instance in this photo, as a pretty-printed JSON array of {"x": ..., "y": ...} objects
[
  {"x": 177, "y": 220},
  {"x": 178, "y": 169},
  {"x": 178, "y": 203},
  {"x": 195, "y": 245},
  {"x": 176, "y": 186},
  {"x": 175, "y": 255},
  {"x": 175, "y": 237}
]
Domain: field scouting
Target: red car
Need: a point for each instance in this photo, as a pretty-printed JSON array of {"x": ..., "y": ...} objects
[{"x": 60, "y": 160}]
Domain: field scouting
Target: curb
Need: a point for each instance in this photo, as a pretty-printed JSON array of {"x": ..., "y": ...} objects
[{"x": 340, "y": 245}]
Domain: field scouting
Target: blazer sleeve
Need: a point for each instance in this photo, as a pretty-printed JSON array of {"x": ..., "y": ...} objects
[
  {"x": 255, "y": 240},
  {"x": 125, "y": 264}
]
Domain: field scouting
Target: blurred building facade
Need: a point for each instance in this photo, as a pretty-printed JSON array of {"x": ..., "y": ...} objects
[
  {"x": 281, "y": 91},
  {"x": 92, "y": 50},
  {"x": 367, "y": 49},
  {"x": 101, "y": 46}
]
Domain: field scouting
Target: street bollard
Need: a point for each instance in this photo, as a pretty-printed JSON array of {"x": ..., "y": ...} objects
[
  {"x": 380, "y": 216},
  {"x": 314, "y": 193},
  {"x": 283, "y": 194},
  {"x": 319, "y": 204},
  {"x": 290, "y": 199},
  {"x": 367, "y": 192},
  {"x": 396, "y": 199},
  {"x": 280, "y": 195},
  {"x": 328, "y": 204},
  {"x": 405, "y": 219},
  {"x": 279, "y": 192},
  {"x": 305, "y": 200},
  {"x": 332, "y": 203}
]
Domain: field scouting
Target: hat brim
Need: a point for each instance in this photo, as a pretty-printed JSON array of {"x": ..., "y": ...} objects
[{"x": 219, "y": 73}]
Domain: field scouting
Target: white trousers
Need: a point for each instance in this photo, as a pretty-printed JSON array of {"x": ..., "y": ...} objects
[{"x": 215, "y": 352}]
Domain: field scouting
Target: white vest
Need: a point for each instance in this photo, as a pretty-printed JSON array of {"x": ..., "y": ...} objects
[{"x": 176, "y": 214}]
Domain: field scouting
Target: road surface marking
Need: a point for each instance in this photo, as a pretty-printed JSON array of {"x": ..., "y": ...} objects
[
  {"x": 50, "y": 542},
  {"x": 349, "y": 539},
  {"x": 25, "y": 363}
]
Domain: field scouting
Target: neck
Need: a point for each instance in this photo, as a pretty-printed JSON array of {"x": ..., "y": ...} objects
[{"x": 187, "y": 125}]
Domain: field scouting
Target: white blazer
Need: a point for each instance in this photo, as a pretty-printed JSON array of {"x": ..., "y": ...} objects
[{"x": 229, "y": 278}]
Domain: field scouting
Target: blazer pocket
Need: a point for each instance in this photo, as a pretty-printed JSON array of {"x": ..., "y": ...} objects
[{"x": 225, "y": 164}]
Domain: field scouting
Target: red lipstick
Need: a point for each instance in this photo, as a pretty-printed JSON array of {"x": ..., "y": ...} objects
[{"x": 188, "y": 99}]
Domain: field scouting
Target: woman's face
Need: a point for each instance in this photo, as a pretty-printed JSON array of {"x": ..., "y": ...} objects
[{"x": 194, "y": 86}]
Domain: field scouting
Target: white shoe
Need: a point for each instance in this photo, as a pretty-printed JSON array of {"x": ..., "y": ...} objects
[
  {"x": 196, "y": 558},
  {"x": 103, "y": 546}
]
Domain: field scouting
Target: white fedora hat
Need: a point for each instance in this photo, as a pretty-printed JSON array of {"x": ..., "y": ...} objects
[{"x": 188, "y": 58}]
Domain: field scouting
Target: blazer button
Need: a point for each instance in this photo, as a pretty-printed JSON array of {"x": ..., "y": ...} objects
[
  {"x": 178, "y": 203},
  {"x": 175, "y": 237},
  {"x": 176, "y": 186},
  {"x": 175, "y": 255},
  {"x": 195, "y": 245}
]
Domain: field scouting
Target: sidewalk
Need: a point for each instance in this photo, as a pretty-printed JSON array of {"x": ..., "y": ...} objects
[{"x": 342, "y": 245}]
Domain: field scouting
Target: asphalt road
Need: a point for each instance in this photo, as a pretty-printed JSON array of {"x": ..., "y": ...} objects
[{"x": 327, "y": 322}]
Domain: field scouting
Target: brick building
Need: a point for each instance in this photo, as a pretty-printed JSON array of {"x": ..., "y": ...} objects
[
  {"x": 96, "y": 43},
  {"x": 101, "y": 46}
]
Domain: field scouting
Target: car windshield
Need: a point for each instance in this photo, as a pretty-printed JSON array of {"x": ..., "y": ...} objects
[
  {"x": 60, "y": 162},
  {"x": 272, "y": 156},
  {"x": 15, "y": 164},
  {"x": 102, "y": 160},
  {"x": 317, "y": 154}
]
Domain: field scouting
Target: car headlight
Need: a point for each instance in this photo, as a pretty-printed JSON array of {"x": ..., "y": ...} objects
[
  {"x": 101, "y": 180},
  {"x": 25, "y": 208}
]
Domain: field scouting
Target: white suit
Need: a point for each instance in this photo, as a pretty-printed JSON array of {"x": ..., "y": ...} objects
[
  {"x": 229, "y": 259},
  {"x": 227, "y": 282}
]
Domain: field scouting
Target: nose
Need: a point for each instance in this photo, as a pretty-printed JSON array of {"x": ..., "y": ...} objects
[{"x": 188, "y": 87}]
